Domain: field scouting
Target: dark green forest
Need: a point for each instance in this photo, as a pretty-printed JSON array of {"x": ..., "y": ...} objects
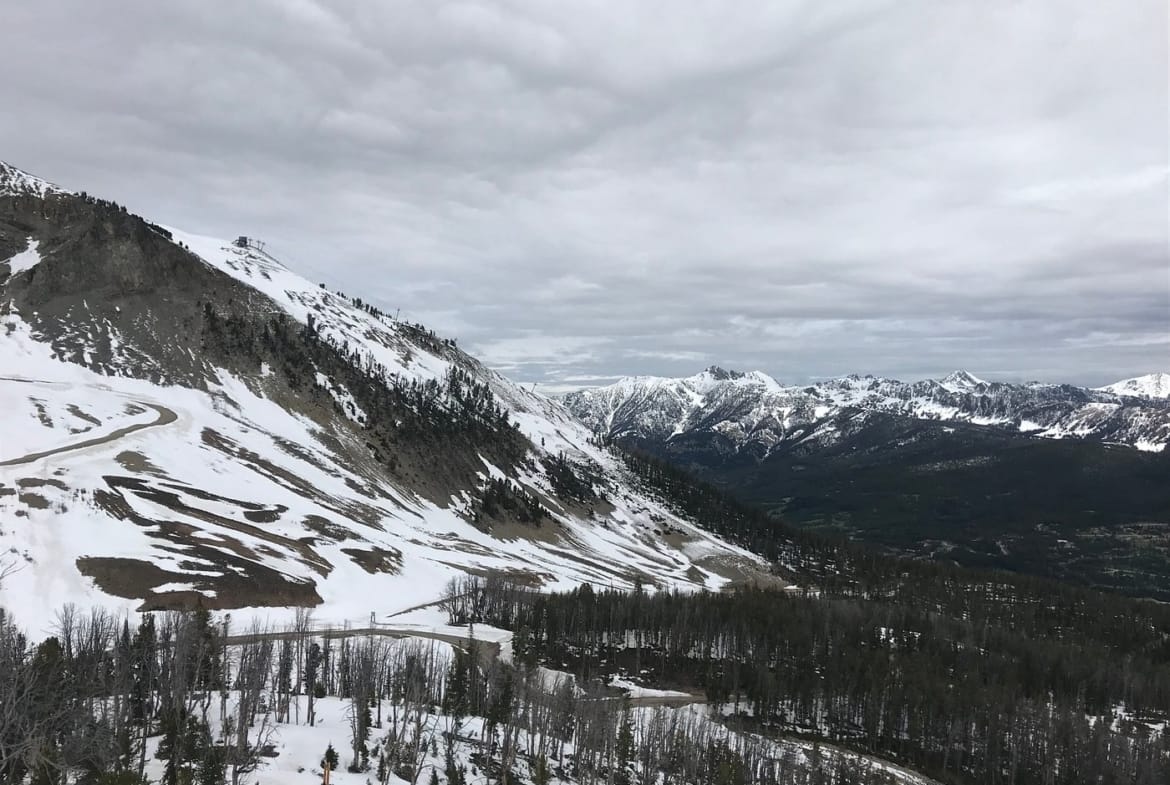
[
  {"x": 964, "y": 700},
  {"x": 1088, "y": 513},
  {"x": 970, "y": 675}
]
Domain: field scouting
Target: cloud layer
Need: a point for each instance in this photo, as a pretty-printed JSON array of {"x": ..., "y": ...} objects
[{"x": 580, "y": 191}]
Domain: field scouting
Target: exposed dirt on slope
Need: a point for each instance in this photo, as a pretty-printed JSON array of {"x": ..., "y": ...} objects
[{"x": 136, "y": 578}]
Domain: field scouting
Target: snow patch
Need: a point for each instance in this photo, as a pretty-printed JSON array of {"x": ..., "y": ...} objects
[{"x": 25, "y": 260}]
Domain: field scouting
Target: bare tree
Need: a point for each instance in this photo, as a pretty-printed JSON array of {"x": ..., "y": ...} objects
[
  {"x": 302, "y": 624},
  {"x": 10, "y": 565},
  {"x": 253, "y": 670}
]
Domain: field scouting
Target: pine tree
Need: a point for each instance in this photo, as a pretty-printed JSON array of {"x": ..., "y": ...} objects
[{"x": 330, "y": 759}]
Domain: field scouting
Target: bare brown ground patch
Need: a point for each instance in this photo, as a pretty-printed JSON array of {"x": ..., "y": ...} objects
[
  {"x": 547, "y": 531},
  {"x": 326, "y": 528},
  {"x": 113, "y": 504},
  {"x": 199, "y": 493},
  {"x": 597, "y": 509},
  {"x": 136, "y": 579},
  {"x": 85, "y": 416},
  {"x": 376, "y": 560},
  {"x": 42, "y": 412},
  {"x": 41, "y": 482},
  {"x": 741, "y": 571},
  {"x": 34, "y": 500},
  {"x": 453, "y": 542},
  {"x": 618, "y": 571},
  {"x": 136, "y": 463}
]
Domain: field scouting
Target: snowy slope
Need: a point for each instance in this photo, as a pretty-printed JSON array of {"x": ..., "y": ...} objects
[
  {"x": 1153, "y": 385},
  {"x": 137, "y": 472},
  {"x": 14, "y": 182},
  {"x": 25, "y": 260},
  {"x": 756, "y": 412}
]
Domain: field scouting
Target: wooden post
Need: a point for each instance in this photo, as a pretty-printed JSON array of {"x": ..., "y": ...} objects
[{"x": 326, "y": 782}]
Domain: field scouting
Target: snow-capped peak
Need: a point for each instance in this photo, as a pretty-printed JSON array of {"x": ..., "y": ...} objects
[
  {"x": 715, "y": 374},
  {"x": 1152, "y": 385},
  {"x": 17, "y": 182},
  {"x": 721, "y": 374},
  {"x": 961, "y": 380}
]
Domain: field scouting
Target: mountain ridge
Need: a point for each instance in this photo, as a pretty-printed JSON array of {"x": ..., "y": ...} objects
[{"x": 755, "y": 411}]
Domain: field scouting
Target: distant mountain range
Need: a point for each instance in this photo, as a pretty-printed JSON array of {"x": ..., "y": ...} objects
[
  {"x": 752, "y": 411},
  {"x": 1052, "y": 479}
]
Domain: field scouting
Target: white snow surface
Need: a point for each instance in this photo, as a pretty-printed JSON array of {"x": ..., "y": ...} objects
[
  {"x": 1152, "y": 385},
  {"x": 299, "y": 747},
  {"x": 15, "y": 182},
  {"x": 24, "y": 260},
  {"x": 635, "y": 690}
]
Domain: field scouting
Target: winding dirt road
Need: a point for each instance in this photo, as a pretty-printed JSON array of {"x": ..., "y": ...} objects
[
  {"x": 165, "y": 417},
  {"x": 488, "y": 650}
]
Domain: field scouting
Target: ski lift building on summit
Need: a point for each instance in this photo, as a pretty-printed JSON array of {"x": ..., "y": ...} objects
[{"x": 244, "y": 241}]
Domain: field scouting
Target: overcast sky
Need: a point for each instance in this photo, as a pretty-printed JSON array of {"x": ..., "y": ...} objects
[{"x": 583, "y": 190}]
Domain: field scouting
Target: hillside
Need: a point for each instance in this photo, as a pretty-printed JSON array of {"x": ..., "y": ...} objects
[{"x": 188, "y": 422}]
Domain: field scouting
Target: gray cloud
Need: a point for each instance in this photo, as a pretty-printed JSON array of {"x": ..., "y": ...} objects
[{"x": 580, "y": 191}]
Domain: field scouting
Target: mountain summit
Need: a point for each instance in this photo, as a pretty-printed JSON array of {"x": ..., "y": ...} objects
[{"x": 961, "y": 380}]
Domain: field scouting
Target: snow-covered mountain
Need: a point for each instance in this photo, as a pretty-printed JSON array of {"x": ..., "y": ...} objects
[
  {"x": 185, "y": 420},
  {"x": 1152, "y": 385},
  {"x": 16, "y": 182},
  {"x": 754, "y": 412}
]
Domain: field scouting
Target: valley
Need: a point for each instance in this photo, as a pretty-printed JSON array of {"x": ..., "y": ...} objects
[{"x": 957, "y": 470}]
